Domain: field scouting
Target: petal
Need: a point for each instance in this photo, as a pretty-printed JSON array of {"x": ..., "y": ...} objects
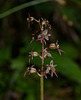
[
  {"x": 52, "y": 46},
  {"x": 46, "y": 37},
  {"x": 39, "y": 36},
  {"x": 57, "y": 42},
  {"x": 47, "y": 65},
  {"x": 51, "y": 63},
  {"x": 25, "y": 73},
  {"x": 49, "y": 34},
  {"x": 45, "y": 76},
  {"x": 56, "y": 74},
  {"x": 39, "y": 74},
  {"x": 47, "y": 71},
  {"x": 60, "y": 51},
  {"x": 35, "y": 53},
  {"x": 51, "y": 74},
  {"x": 49, "y": 55},
  {"x": 33, "y": 70},
  {"x": 53, "y": 71},
  {"x": 45, "y": 32},
  {"x": 54, "y": 65}
]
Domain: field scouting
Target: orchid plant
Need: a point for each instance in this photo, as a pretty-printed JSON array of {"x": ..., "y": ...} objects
[{"x": 42, "y": 36}]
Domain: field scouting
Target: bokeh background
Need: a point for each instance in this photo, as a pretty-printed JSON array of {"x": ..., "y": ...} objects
[{"x": 15, "y": 37}]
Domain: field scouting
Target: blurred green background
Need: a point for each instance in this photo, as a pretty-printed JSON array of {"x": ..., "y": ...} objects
[{"x": 15, "y": 37}]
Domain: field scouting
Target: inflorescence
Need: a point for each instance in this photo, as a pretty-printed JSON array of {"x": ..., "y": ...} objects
[{"x": 42, "y": 36}]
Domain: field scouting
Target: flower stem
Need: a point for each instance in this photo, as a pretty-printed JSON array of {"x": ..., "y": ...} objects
[{"x": 42, "y": 73}]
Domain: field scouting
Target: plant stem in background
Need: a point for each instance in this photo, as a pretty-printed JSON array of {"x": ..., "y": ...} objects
[{"x": 20, "y": 7}]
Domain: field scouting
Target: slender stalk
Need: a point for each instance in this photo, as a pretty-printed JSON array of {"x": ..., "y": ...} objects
[{"x": 42, "y": 76}]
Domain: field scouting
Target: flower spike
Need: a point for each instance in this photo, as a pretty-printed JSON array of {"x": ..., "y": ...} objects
[{"x": 43, "y": 36}]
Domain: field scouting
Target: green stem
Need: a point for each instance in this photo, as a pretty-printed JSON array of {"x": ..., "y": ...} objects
[
  {"x": 42, "y": 87},
  {"x": 42, "y": 74}
]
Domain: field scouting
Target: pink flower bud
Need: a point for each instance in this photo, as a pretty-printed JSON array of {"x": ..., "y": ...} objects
[
  {"x": 30, "y": 19},
  {"x": 53, "y": 46},
  {"x": 33, "y": 53},
  {"x": 33, "y": 70}
]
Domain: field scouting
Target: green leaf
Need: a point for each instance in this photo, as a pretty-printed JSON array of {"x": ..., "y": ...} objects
[
  {"x": 78, "y": 2},
  {"x": 15, "y": 9},
  {"x": 70, "y": 12},
  {"x": 18, "y": 63},
  {"x": 70, "y": 50},
  {"x": 5, "y": 54},
  {"x": 46, "y": 7},
  {"x": 68, "y": 67}
]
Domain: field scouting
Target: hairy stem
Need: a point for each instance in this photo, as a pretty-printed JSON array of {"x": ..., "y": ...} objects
[{"x": 42, "y": 73}]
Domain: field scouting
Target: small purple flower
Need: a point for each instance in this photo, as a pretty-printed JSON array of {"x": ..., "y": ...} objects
[
  {"x": 50, "y": 67},
  {"x": 44, "y": 24},
  {"x": 45, "y": 34},
  {"x": 55, "y": 46},
  {"x": 31, "y": 69},
  {"x": 33, "y": 54},
  {"x": 46, "y": 53},
  {"x": 35, "y": 36},
  {"x": 30, "y": 19}
]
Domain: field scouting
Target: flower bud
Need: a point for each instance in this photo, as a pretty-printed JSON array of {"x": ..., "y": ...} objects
[
  {"x": 30, "y": 19},
  {"x": 33, "y": 70},
  {"x": 34, "y": 53},
  {"x": 30, "y": 70},
  {"x": 53, "y": 46},
  {"x": 44, "y": 22}
]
